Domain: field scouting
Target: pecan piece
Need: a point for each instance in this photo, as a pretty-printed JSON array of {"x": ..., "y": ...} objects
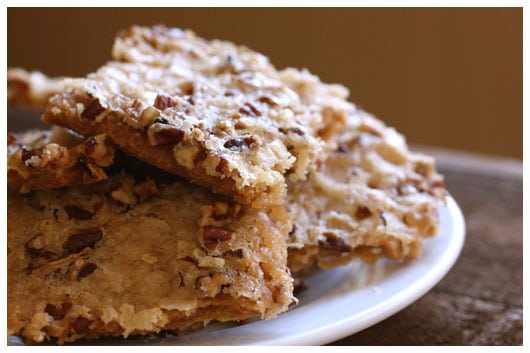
[
  {"x": 249, "y": 109},
  {"x": 82, "y": 239},
  {"x": 27, "y": 153},
  {"x": 162, "y": 102},
  {"x": 223, "y": 210},
  {"x": 92, "y": 110},
  {"x": 235, "y": 253},
  {"x": 32, "y": 249},
  {"x": 240, "y": 142},
  {"x": 335, "y": 243},
  {"x": 222, "y": 167},
  {"x": 294, "y": 130},
  {"x": 268, "y": 100},
  {"x": 168, "y": 135},
  {"x": 212, "y": 236},
  {"x": 58, "y": 313},
  {"x": 86, "y": 270},
  {"x": 362, "y": 213},
  {"x": 81, "y": 324},
  {"x": 79, "y": 213}
]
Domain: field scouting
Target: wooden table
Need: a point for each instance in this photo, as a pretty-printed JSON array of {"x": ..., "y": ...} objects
[{"x": 480, "y": 301}]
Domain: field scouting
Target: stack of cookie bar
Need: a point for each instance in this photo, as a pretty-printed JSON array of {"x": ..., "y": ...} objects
[{"x": 187, "y": 181}]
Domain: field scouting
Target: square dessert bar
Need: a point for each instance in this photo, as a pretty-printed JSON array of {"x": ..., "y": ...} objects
[
  {"x": 210, "y": 111},
  {"x": 130, "y": 256},
  {"x": 372, "y": 198}
]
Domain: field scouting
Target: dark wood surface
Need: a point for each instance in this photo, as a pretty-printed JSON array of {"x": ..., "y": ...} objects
[{"x": 480, "y": 301}]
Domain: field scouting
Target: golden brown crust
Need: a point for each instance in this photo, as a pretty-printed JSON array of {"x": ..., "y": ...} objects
[
  {"x": 372, "y": 198},
  {"x": 126, "y": 257},
  {"x": 43, "y": 159}
]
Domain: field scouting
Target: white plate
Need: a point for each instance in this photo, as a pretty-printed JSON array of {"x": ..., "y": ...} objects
[{"x": 342, "y": 301}]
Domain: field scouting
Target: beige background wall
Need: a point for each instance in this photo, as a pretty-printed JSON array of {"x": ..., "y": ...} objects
[{"x": 446, "y": 77}]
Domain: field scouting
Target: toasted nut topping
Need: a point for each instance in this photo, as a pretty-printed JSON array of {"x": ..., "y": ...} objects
[
  {"x": 167, "y": 135},
  {"x": 294, "y": 130},
  {"x": 82, "y": 239},
  {"x": 268, "y": 100},
  {"x": 222, "y": 167},
  {"x": 362, "y": 213},
  {"x": 249, "y": 109},
  {"x": 223, "y": 210},
  {"x": 216, "y": 233},
  {"x": 28, "y": 153},
  {"x": 81, "y": 324},
  {"x": 335, "y": 243},
  {"x": 149, "y": 116},
  {"x": 75, "y": 212},
  {"x": 212, "y": 236},
  {"x": 86, "y": 270},
  {"x": 92, "y": 110},
  {"x": 162, "y": 102},
  {"x": 57, "y": 313},
  {"x": 235, "y": 253},
  {"x": 34, "y": 249},
  {"x": 240, "y": 142}
]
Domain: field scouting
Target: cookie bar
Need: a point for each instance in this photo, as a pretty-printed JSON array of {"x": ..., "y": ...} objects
[
  {"x": 134, "y": 256},
  {"x": 372, "y": 198},
  {"x": 30, "y": 89},
  {"x": 209, "y": 111},
  {"x": 43, "y": 159}
]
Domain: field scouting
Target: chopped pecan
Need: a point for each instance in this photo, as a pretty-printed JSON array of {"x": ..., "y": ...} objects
[
  {"x": 223, "y": 210},
  {"x": 33, "y": 249},
  {"x": 27, "y": 153},
  {"x": 168, "y": 135},
  {"x": 335, "y": 243},
  {"x": 93, "y": 109},
  {"x": 81, "y": 239},
  {"x": 81, "y": 324},
  {"x": 249, "y": 109},
  {"x": 58, "y": 313},
  {"x": 86, "y": 270},
  {"x": 235, "y": 253},
  {"x": 162, "y": 102},
  {"x": 149, "y": 116},
  {"x": 222, "y": 167},
  {"x": 216, "y": 233},
  {"x": 362, "y": 213},
  {"x": 240, "y": 142},
  {"x": 294, "y": 130},
  {"x": 187, "y": 88},
  {"x": 75, "y": 212},
  {"x": 212, "y": 236},
  {"x": 268, "y": 100}
]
